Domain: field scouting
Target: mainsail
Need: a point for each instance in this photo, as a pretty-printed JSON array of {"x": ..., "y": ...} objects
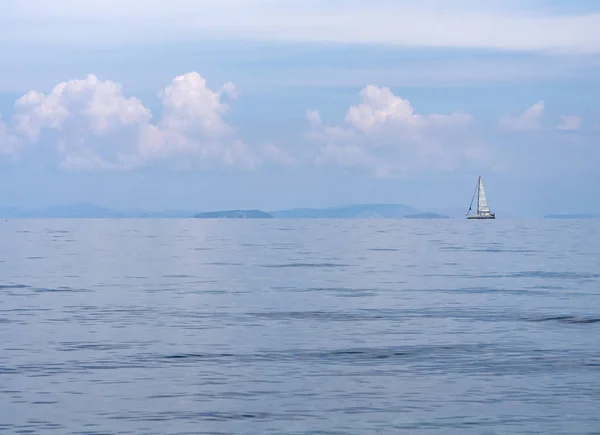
[{"x": 482, "y": 204}]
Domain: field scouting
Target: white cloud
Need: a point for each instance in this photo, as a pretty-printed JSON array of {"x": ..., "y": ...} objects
[
  {"x": 99, "y": 104},
  {"x": 511, "y": 24},
  {"x": 384, "y": 135},
  {"x": 530, "y": 119},
  {"x": 379, "y": 107},
  {"x": 98, "y": 128},
  {"x": 569, "y": 122},
  {"x": 192, "y": 122},
  {"x": 190, "y": 105},
  {"x": 35, "y": 111}
]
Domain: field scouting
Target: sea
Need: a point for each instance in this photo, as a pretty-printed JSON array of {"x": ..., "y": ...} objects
[{"x": 183, "y": 326}]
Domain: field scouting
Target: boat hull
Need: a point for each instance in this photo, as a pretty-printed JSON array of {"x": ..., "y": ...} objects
[{"x": 483, "y": 216}]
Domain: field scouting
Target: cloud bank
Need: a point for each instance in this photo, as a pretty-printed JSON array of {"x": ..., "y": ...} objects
[
  {"x": 95, "y": 126},
  {"x": 91, "y": 124},
  {"x": 509, "y": 25}
]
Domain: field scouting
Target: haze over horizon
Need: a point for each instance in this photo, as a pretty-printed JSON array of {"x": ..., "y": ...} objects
[{"x": 247, "y": 104}]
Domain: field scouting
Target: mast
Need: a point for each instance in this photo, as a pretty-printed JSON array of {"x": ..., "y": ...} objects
[{"x": 473, "y": 199}]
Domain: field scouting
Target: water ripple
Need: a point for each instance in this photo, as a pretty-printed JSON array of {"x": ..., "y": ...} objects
[{"x": 299, "y": 327}]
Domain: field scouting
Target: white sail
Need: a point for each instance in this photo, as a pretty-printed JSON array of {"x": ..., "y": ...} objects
[{"x": 482, "y": 206}]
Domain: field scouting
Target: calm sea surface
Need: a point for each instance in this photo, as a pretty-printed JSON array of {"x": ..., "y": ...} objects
[{"x": 299, "y": 327}]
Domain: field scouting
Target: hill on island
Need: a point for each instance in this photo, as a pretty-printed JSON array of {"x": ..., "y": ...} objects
[
  {"x": 235, "y": 214},
  {"x": 359, "y": 211},
  {"x": 426, "y": 215},
  {"x": 362, "y": 211},
  {"x": 87, "y": 211}
]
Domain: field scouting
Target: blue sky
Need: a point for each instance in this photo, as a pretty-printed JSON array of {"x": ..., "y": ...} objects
[{"x": 250, "y": 103}]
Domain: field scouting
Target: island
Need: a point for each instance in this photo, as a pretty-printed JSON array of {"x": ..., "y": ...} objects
[
  {"x": 235, "y": 214},
  {"x": 361, "y": 211},
  {"x": 352, "y": 211},
  {"x": 426, "y": 215},
  {"x": 357, "y": 211}
]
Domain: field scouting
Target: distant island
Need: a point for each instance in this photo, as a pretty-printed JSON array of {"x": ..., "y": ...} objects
[
  {"x": 353, "y": 211},
  {"x": 427, "y": 216},
  {"x": 88, "y": 211},
  {"x": 91, "y": 211},
  {"x": 358, "y": 211},
  {"x": 235, "y": 214}
]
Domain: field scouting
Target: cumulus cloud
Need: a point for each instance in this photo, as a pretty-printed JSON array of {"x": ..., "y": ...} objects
[
  {"x": 379, "y": 107},
  {"x": 97, "y": 127},
  {"x": 530, "y": 119},
  {"x": 569, "y": 122},
  {"x": 35, "y": 111},
  {"x": 100, "y": 104},
  {"x": 384, "y": 135},
  {"x": 192, "y": 124},
  {"x": 190, "y": 105}
]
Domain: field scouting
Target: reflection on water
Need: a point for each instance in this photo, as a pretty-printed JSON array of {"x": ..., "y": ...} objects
[{"x": 299, "y": 327}]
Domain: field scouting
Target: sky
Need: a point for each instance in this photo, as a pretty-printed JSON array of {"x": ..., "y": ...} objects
[{"x": 203, "y": 105}]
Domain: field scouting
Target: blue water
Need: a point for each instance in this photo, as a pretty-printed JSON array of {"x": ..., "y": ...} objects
[{"x": 299, "y": 327}]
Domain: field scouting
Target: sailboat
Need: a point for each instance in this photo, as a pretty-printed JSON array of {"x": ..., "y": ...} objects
[{"x": 483, "y": 209}]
